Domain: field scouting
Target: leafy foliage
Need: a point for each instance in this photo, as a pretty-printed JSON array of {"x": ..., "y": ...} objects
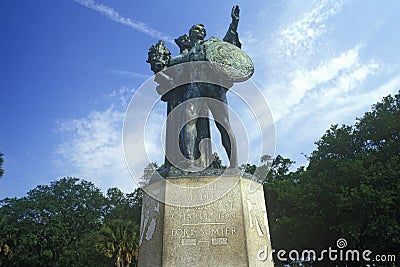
[
  {"x": 349, "y": 190},
  {"x": 59, "y": 224},
  {"x": 249, "y": 168},
  {"x": 118, "y": 239}
]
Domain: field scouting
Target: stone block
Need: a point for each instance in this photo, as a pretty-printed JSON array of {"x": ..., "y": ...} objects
[{"x": 204, "y": 221}]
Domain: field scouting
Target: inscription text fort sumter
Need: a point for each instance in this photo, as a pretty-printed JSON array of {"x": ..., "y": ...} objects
[{"x": 214, "y": 223}]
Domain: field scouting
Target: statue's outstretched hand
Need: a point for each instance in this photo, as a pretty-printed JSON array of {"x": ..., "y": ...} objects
[{"x": 235, "y": 13}]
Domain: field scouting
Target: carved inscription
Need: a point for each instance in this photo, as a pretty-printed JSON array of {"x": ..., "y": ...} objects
[
  {"x": 209, "y": 224},
  {"x": 201, "y": 231},
  {"x": 219, "y": 241},
  {"x": 188, "y": 242}
]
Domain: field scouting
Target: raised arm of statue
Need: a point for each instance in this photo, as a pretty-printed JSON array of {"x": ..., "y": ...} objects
[
  {"x": 231, "y": 35},
  {"x": 235, "y": 18}
]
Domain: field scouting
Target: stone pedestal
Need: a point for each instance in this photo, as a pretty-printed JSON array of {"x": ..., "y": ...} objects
[{"x": 204, "y": 221}]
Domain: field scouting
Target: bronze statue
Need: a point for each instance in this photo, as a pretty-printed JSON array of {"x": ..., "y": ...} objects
[
  {"x": 195, "y": 48},
  {"x": 160, "y": 58}
]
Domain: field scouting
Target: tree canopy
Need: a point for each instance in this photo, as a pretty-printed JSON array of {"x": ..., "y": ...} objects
[
  {"x": 350, "y": 188},
  {"x": 62, "y": 224}
]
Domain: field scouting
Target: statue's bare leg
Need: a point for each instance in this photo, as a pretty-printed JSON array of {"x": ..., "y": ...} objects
[
  {"x": 229, "y": 143},
  {"x": 191, "y": 115},
  {"x": 221, "y": 117},
  {"x": 190, "y": 132}
]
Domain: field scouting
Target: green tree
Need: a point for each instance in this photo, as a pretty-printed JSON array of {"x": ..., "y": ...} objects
[
  {"x": 249, "y": 168},
  {"x": 281, "y": 188},
  {"x": 83, "y": 253},
  {"x": 349, "y": 189},
  {"x": 118, "y": 239},
  {"x": 356, "y": 169},
  {"x": 148, "y": 173},
  {"x": 8, "y": 233},
  {"x": 46, "y": 225},
  {"x": 123, "y": 206},
  {"x": 70, "y": 223}
]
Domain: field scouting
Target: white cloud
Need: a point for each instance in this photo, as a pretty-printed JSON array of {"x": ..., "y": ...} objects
[
  {"x": 154, "y": 134},
  {"x": 329, "y": 84},
  {"x": 303, "y": 90},
  {"x": 123, "y": 95},
  {"x": 142, "y": 132},
  {"x": 306, "y": 80},
  {"x": 300, "y": 35},
  {"x": 92, "y": 146},
  {"x": 312, "y": 100},
  {"x": 115, "y": 16},
  {"x": 310, "y": 80}
]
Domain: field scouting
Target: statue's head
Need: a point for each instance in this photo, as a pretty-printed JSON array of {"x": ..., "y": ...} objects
[
  {"x": 158, "y": 56},
  {"x": 196, "y": 33},
  {"x": 183, "y": 42}
]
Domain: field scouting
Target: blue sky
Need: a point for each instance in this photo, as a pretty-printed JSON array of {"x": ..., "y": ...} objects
[{"x": 69, "y": 69}]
